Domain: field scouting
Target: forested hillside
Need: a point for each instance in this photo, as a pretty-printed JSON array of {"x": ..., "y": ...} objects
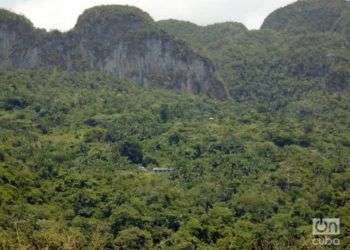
[
  {"x": 282, "y": 58},
  {"x": 78, "y": 149},
  {"x": 72, "y": 146},
  {"x": 308, "y": 16}
]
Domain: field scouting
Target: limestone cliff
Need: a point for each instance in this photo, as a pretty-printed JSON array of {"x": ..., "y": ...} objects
[{"x": 120, "y": 40}]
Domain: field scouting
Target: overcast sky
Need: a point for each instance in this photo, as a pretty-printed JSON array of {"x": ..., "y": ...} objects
[{"x": 62, "y": 14}]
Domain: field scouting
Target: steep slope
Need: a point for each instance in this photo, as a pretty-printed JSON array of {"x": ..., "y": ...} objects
[
  {"x": 307, "y": 16},
  {"x": 119, "y": 40},
  {"x": 260, "y": 66},
  {"x": 16, "y": 37}
]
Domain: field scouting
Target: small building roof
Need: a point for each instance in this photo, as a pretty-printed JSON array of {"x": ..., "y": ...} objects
[{"x": 162, "y": 169}]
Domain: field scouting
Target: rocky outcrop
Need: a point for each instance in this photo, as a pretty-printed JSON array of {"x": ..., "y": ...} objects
[{"x": 120, "y": 40}]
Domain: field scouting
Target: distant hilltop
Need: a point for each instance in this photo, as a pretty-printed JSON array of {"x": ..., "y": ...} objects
[
  {"x": 310, "y": 16},
  {"x": 219, "y": 60},
  {"x": 120, "y": 40}
]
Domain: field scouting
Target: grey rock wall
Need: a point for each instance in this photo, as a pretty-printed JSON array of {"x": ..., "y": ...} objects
[{"x": 122, "y": 41}]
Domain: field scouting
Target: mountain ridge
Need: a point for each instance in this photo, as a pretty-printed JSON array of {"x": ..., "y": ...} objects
[
  {"x": 120, "y": 40},
  {"x": 253, "y": 64},
  {"x": 307, "y": 16}
]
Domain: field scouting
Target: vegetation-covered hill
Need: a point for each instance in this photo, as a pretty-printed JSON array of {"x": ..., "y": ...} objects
[
  {"x": 308, "y": 16},
  {"x": 72, "y": 146},
  {"x": 261, "y": 65},
  {"x": 78, "y": 149},
  {"x": 201, "y": 37}
]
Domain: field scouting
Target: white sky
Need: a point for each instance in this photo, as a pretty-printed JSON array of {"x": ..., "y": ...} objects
[{"x": 63, "y": 14}]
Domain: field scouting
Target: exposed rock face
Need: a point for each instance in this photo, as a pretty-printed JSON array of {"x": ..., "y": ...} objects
[
  {"x": 120, "y": 40},
  {"x": 16, "y": 33}
]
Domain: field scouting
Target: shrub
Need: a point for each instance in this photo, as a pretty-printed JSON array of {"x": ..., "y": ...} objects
[
  {"x": 95, "y": 135},
  {"x": 133, "y": 238},
  {"x": 2, "y": 156},
  {"x": 14, "y": 103},
  {"x": 91, "y": 122},
  {"x": 174, "y": 139},
  {"x": 124, "y": 218},
  {"x": 164, "y": 113},
  {"x": 84, "y": 204},
  {"x": 133, "y": 151}
]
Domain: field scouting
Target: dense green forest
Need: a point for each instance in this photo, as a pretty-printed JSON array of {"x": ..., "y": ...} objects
[
  {"x": 72, "y": 147},
  {"x": 78, "y": 149}
]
